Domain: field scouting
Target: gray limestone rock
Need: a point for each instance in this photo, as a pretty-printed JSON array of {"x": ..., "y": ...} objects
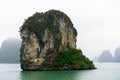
[{"x": 44, "y": 35}]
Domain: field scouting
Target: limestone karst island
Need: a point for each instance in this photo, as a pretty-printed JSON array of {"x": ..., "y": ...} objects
[{"x": 49, "y": 43}]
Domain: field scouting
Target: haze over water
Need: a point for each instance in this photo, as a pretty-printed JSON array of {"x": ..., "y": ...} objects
[
  {"x": 97, "y": 21},
  {"x": 105, "y": 71}
]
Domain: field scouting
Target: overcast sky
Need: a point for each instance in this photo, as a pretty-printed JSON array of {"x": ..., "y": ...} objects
[{"x": 97, "y": 21}]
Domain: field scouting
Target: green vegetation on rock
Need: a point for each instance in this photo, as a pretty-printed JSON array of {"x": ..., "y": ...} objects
[{"x": 71, "y": 59}]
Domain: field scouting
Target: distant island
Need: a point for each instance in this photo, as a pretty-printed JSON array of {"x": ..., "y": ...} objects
[
  {"x": 49, "y": 43},
  {"x": 117, "y": 55},
  {"x": 106, "y": 56},
  {"x": 10, "y": 51}
]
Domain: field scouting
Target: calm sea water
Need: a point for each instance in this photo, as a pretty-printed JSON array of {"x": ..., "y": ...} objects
[{"x": 105, "y": 71}]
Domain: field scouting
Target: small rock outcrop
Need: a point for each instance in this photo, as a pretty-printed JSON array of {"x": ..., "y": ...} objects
[{"x": 44, "y": 36}]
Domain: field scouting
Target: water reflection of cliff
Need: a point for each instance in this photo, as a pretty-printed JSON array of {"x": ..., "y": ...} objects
[{"x": 50, "y": 75}]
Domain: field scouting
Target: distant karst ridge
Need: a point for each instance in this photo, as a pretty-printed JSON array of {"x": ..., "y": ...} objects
[
  {"x": 106, "y": 56},
  {"x": 117, "y": 55},
  {"x": 10, "y": 51}
]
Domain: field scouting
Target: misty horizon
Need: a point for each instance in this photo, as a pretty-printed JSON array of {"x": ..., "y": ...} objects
[{"x": 97, "y": 22}]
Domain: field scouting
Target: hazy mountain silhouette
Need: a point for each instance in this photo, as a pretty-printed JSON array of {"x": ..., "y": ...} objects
[
  {"x": 106, "y": 56},
  {"x": 95, "y": 59},
  {"x": 117, "y": 55},
  {"x": 9, "y": 52}
]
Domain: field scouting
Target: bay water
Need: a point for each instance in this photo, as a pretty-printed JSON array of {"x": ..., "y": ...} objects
[{"x": 104, "y": 71}]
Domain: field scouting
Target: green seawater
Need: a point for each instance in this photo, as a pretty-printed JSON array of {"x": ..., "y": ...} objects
[{"x": 105, "y": 71}]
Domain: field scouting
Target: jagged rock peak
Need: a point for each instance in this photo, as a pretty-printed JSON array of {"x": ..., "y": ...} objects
[{"x": 44, "y": 35}]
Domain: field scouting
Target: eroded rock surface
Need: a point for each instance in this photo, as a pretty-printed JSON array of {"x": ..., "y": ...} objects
[{"x": 44, "y": 35}]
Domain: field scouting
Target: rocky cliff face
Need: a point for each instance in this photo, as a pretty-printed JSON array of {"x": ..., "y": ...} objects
[{"x": 44, "y": 35}]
